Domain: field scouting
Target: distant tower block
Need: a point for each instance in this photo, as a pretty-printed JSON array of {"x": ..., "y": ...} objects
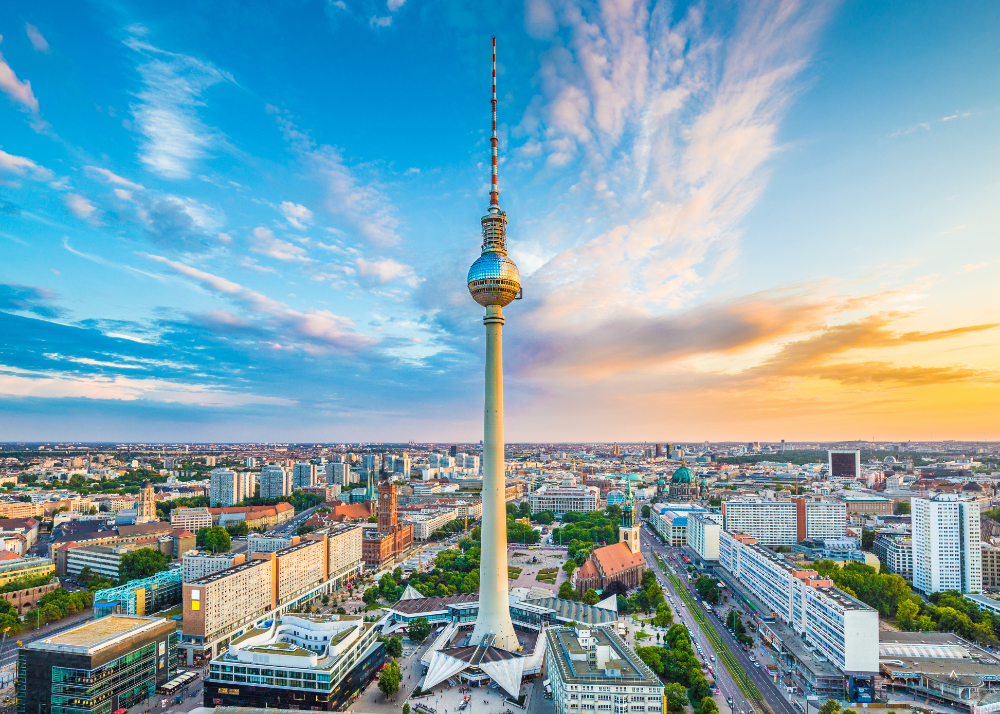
[{"x": 494, "y": 282}]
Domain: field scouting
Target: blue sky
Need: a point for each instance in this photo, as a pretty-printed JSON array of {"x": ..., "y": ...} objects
[{"x": 733, "y": 221}]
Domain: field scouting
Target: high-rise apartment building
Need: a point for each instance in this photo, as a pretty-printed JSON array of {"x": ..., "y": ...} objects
[
  {"x": 303, "y": 474},
  {"x": 199, "y": 564},
  {"x": 703, "y": 534},
  {"x": 820, "y": 519},
  {"x": 275, "y": 481},
  {"x": 338, "y": 473},
  {"x": 772, "y": 523},
  {"x": 896, "y": 553},
  {"x": 946, "y": 545},
  {"x": 223, "y": 489}
]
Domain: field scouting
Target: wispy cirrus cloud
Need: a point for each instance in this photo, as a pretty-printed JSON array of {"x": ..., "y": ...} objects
[
  {"x": 23, "y": 166},
  {"x": 166, "y": 112},
  {"x": 27, "y": 298},
  {"x": 310, "y": 330},
  {"x": 79, "y": 206},
  {"x": 263, "y": 242},
  {"x": 114, "y": 178},
  {"x": 362, "y": 204},
  {"x": 18, "y": 90},
  {"x": 35, "y": 37}
]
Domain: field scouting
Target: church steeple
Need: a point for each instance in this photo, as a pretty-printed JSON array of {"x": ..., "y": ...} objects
[{"x": 628, "y": 531}]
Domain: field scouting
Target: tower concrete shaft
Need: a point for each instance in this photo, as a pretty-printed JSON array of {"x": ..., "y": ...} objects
[{"x": 494, "y": 608}]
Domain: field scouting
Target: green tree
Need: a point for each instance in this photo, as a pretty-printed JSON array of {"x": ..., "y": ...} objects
[
  {"x": 394, "y": 647},
  {"x": 664, "y": 617},
  {"x": 370, "y": 597},
  {"x": 651, "y": 656},
  {"x": 389, "y": 678},
  {"x": 406, "y": 708},
  {"x": 906, "y": 611},
  {"x": 903, "y": 508},
  {"x": 708, "y": 706},
  {"x": 141, "y": 563},
  {"x": 215, "y": 539},
  {"x": 568, "y": 592},
  {"x": 525, "y": 508},
  {"x": 867, "y": 539},
  {"x": 646, "y": 510},
  {"x": 419, "y": 629},
  {"x": 238, "y": 530},
  {"x": 569, "y": 567},
  {"x": 591, "y": 597},
  {"x": 544, "y": 517},
  {"x": 830, "y": 707},
  {"x": 676, "y": 696},
  {"x": 848, "y": 711}
]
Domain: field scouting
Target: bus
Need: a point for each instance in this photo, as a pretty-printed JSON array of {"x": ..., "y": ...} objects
[
  {"x": 708, "y": 608},
  {"x": 177, "y": 683}
]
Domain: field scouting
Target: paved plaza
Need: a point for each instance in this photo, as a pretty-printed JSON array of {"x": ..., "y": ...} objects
[{"x": 521, "y": 557}]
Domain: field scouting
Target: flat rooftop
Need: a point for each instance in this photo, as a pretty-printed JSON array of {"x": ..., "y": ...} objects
[
  {"x": 228, "y": 571},
  {"x": 575, "y": 666},
  {"x": 95, "y": 635}
]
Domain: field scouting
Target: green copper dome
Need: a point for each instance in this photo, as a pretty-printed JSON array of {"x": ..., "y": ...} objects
[
  {"x": 682, "y": 475},
  {"x": 704, "y": 482}
]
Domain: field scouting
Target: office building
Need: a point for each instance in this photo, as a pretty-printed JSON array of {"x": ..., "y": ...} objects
[
  {"x": 564, "y": 497},
  {"x": 895, "y": 551},
  {"x": 100, "y": 559},
  {"x": 841, "y": 628},
  {"x": 275, "y": 481},
  {"x": 303, "y": 474},
  {"x": 318, "y": 662},
  {"x": 947, "y": 551},
  {"x": 145, "y": 596},
  {"x": 867, "y": 504},
  {"x": 29, "y": 567},
  {"x": 424, "y": 524},
  {"x": 191, "y": 519},
  {"x": 844, "y": 464},
  {"x": 772, "y": 523},
  {"x": 101, "y": 666},
  {"x": 820, "y": 519},
  {"x": 199, "y": 564},
  {"x": 703, "y": 534},
  {"x": 594, "y": 670}
]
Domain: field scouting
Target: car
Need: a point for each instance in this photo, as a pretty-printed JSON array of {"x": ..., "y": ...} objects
[
  {"x": 756, "y": 663},
  {"x": 713, "y": 658},
  {"x": 729, "y": 701}
]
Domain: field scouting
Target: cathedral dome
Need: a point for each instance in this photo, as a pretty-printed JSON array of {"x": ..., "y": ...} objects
[{"x": 682, "y": 475}]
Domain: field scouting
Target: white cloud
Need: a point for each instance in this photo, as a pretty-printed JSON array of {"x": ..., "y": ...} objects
[
  {"x": 115, "y": 178},
  {"x": 79, "y": 206},
  {"x": 14, "y": 88},
  {"x": 166, "y": 113},
  {"x": 387, "y": 270},
  {"x": 539, "y": 18},
  {"x": 23, "y": 166},
  {"x": 394, "y": 5},
  {"x": 313, "y": 328},
  {"x": 37, "y": 41},
  {"x": 380, "y": 21},
  {"x": 262, "y": 241},
  {"x": 296, "y": 214},
  {"x": 363, "y": 205}
]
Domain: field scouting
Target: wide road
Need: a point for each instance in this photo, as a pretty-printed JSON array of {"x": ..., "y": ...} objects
[{"x": 776, "y": 699}]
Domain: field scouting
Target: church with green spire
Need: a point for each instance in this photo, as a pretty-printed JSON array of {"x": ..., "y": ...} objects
[{"x": 619, "y": 562}]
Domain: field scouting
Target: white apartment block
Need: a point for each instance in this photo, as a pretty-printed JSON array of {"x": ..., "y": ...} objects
[
  {"x": 257, "y": 543},
  {"x": 426, "y": 523},
  {"x": 772, "y": 523},
  {"x": 223, "y": 490},
  {"x": 191, "y": 519},
  {"x": 565, "y": 497},
  {"x": 275, "y": 481},
  {"x": 198, "y": 565},
  {"x": 703, "y": 534},
  {"x": 344, "y": 552},
  {"x": 947, "y": 551},
  {"x": 899, "y": 557},
  {"x": 826, "y": 519},
  {"x": 841, "y": 627}
]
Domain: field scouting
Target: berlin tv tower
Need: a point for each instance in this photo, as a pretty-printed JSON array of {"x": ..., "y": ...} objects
[{"x": 494, "y": 282}]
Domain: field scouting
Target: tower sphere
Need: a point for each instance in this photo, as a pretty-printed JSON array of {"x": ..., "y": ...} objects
[{"x": 494, "y": 279}]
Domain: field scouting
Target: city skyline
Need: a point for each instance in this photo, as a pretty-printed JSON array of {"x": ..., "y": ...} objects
[{"x": 767, "y": 225}]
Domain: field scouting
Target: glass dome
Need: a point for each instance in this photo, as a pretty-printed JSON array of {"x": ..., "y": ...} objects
[{"x": 494, "y": 280}]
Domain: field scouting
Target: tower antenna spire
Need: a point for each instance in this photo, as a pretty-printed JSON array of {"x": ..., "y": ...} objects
[{"x": 494, "y": 193}]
